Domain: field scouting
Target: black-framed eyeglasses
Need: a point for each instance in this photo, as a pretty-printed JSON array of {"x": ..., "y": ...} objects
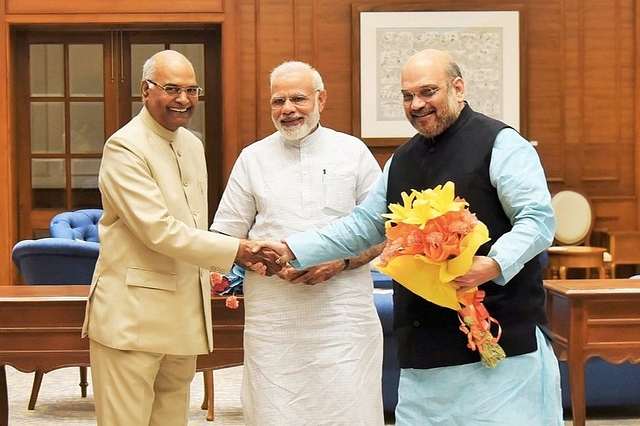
[
  {"x": 424, "y": 94},
  {"x": 298, "y": 99},
  {"x": 173, "y": 90}
]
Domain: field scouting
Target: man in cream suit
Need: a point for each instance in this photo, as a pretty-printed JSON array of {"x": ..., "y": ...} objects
[{"x": 149, "y": 314}]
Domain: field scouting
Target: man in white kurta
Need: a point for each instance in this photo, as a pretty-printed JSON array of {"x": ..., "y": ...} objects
[{"x": 313, "y": 353}]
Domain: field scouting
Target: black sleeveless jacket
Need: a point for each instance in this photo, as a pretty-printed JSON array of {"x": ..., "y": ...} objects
[{"x": 428, "y": 335}]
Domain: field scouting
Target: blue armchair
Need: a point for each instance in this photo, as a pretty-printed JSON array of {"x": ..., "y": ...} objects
[{"x": 69, "y": 257}]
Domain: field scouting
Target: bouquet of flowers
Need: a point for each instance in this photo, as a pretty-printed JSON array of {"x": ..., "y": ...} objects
[
  {"x": 230, "y": 285},
  {"x": 431, "y": 239}
]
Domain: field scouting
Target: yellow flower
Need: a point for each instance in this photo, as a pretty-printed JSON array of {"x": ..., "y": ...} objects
[{"x": 422, "y": 206}]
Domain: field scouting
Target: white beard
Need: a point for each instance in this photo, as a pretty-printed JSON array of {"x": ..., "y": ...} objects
[{"x": 295, "y": 133}]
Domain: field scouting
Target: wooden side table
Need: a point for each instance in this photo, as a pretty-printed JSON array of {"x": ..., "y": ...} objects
[
  {"x": 588, "y": 318},
  {"x": 562, "y": 258},
  {"x": 624, "y": 248}
]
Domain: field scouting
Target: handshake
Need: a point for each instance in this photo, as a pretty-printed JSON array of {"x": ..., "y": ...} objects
[{"x": 265, "y": 257}]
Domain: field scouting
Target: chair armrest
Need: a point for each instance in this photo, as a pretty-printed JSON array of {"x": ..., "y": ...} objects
[{"x": 55, "y": 260}]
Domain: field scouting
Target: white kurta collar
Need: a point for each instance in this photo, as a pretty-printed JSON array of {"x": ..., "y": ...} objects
[{"x": 307, "y": 140}]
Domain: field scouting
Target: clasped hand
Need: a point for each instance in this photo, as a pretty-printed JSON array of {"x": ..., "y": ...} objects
[
  {"x": 257, "y": 256},
  {"x": 264, "y": 257}
]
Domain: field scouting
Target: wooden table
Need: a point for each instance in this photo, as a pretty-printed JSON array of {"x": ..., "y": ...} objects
[
  {"x": 562, "y": 258},
  {"x": 40, "y": 328},
  {"x": 599, "y": 317}
]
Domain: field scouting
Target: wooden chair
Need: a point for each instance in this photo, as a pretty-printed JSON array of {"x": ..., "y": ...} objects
[{"x": 574, "y": 224}]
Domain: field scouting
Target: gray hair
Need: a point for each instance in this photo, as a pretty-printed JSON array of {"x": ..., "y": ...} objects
[
  {"x": 296, "y": 66},
  {"x": 149, "y": 69},
  {"x": 453, "y": 70}
]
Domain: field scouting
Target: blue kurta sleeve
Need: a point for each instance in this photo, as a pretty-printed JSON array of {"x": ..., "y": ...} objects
[{"x": 517, "y": 174}]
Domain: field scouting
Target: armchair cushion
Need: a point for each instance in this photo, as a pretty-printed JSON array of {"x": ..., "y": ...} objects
[{"x": 79, "y": 225}]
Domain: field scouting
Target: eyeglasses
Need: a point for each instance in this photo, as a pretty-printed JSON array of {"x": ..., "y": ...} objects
[
  {"x": 173, "y": 90},
  {"x": 299, "y": 100},
  {"x": 425, "y": 94}
]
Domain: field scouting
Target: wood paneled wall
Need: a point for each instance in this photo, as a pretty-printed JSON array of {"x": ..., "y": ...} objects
[
  {"x": 580, "y": 78},
  {"x": 580, "y": 87}
]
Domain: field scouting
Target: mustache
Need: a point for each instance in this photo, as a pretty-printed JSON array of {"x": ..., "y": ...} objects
[
  {"x": 423, "y": 111},
  {"x": 291, "y": 117}
]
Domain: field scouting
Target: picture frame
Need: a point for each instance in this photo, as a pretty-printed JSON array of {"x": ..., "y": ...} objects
[{"x": 486, "y": 44}]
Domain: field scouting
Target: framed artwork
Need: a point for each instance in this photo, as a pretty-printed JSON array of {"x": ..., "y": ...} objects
[{"x": 485, "y": 44}]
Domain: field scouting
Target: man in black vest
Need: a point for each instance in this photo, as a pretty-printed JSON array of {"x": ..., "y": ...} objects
[{"x": 443, "y": 382}]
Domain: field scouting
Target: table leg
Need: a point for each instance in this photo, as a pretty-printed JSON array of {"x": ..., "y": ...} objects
[
  {"x": 83, "y": 382},
  {"x": 37, "y": 382},
  {"x": 576, "y": 365},
  {"x": 4, "y": 398},
  {"x": 207, "y": 403}
]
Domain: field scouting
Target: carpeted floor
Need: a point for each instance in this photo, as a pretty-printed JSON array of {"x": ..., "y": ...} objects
[{"x": 60, "y": 403}]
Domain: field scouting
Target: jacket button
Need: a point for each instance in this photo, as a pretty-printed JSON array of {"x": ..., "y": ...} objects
[{"x": 416, "y": 323}]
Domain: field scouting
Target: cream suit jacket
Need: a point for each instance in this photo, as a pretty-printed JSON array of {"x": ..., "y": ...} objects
[{"x": 150, "y": 290}]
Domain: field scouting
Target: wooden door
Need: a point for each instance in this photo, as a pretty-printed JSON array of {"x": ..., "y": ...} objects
[{"x": 74, "y": 88}]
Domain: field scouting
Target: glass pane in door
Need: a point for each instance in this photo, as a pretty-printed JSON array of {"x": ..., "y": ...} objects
[
  {"x": 84, "y": 183},
  {"x": 46, "y": 69},
  {"x": 47, "y": 127},
  {"x": 86, "y": 72},
  {"x": 86, "y": 120},
  {"x": 48, "y": 183}
]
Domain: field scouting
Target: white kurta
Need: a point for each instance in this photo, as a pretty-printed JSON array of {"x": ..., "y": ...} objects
[{"x": 313, "y": 354}]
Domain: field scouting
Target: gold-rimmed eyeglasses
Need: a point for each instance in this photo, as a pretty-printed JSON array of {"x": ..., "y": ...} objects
[
  {"x": 173, "y": 90},
  {"x": 299, "y": 99}
]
